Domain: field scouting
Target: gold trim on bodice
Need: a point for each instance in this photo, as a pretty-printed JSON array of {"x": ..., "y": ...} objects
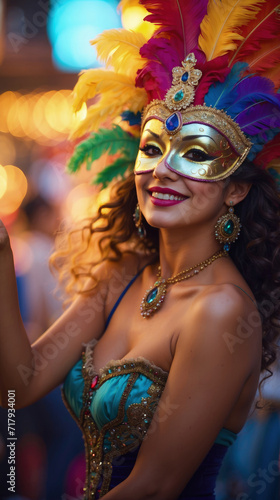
[{"x": 126, "y": 432}]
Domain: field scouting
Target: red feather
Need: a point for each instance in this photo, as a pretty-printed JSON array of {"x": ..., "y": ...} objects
[
  {"x": 212, "y": 72},
  {"x": 180, "y": 19},
  {"x": 269, "y": 152},
  {"x": 274, "y": 75},
  {"x": 265, "y": 59},
  {"x": 156, "y": 76},
  {"x": 265, "y": 26}
]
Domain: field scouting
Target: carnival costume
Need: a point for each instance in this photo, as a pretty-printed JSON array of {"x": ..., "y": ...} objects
[{"x": 209, "y": 74}]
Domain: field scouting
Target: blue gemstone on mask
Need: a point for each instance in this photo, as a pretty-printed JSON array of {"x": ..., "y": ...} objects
[
  {"x": 185, "y": 77},
  {"x": 172, "y": 122}
]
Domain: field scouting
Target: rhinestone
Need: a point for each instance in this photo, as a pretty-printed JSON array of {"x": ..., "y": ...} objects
[
  {"x": 228, "y": 227},
  {"x": 185, "y": 77},
  {"x": 172, "y": 122},
  {"x": 178, "y": 96},
  {"x": 94, "y": 382},
  {"x": 152, "y": 295},
  {"x": 190, "y": 58}
]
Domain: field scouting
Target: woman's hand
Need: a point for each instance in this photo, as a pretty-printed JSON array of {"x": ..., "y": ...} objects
[{"x": 4, "y": 236}]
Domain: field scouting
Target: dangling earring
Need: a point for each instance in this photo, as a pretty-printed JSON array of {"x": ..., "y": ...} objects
[
  {"x": 227, "y": 228},
  {"x": 137, "y": 217}
]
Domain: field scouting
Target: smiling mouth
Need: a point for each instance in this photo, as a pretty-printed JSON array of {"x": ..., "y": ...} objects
[{"x": 166, "y": 196}]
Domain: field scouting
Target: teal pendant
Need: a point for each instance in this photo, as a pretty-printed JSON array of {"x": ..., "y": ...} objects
[
  {"x": 228, "y": 227},
  {"x": 152, "y": 295},
  {"x": 153, "y": 299},
  {"x": 179, "y": 96}
]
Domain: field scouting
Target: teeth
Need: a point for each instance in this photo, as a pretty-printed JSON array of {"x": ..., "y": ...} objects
[{"x": 165, "y": 196}]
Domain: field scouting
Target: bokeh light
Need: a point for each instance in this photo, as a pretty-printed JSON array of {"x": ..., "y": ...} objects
[
  {"x": 23, "y": 255},
  {"x": 44, "y": 117},
  {"x": 71, "y": 39},
  {"x": 132, "y": 19},
  {"x": 13, "y": 193},
  {"x": 7, "y": 150},
  {"x": 79, "y": 202},
  {"x": 3, "y": 181}
]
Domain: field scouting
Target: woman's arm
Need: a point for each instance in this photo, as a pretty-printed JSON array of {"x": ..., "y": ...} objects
[
  {"x": 15, "y": 347},
  {"x": 204, "y": 384},
  {"x": 33, "y": 371}
]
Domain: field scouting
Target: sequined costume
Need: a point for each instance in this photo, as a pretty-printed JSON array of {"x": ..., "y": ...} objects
[{"x": 114, "y": 409}]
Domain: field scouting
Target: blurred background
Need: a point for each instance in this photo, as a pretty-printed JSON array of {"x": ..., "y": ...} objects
[{"x": 43, "y": 46}]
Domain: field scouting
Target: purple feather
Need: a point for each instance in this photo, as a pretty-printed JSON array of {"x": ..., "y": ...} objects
[
  {"x": 249, "y": 91},
  {"x": 259, "y": 117}
]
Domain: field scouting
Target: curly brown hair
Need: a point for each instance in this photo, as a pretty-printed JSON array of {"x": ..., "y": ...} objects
[
  {"x": 256, "y": 253},
  {"x": 106, "y": 236}
]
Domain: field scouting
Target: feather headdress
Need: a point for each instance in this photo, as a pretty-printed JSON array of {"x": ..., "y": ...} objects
[{"x": 236, "y": 47}]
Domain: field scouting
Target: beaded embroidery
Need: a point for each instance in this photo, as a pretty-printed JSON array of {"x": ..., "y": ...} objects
[{"x": 124, "y": 433}]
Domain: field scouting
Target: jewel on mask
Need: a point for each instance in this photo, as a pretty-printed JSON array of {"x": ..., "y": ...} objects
[
  {"x": 173, "y": 123},
  {"x": 179, "y": 97}
]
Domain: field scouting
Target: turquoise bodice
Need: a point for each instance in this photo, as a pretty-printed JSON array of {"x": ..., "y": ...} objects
[{"x": 114, "y": 409}]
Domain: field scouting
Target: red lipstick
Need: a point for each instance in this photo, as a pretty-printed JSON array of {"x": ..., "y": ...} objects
[
  {"x": 164, "y": 190},
  {"x": 160, "y": 202}
]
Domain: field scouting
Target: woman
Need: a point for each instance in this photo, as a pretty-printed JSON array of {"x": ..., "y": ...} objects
[{"x": 161, "y": 352}]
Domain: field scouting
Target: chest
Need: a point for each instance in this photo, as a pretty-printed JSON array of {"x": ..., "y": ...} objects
[{"x": 129, "y": 334}]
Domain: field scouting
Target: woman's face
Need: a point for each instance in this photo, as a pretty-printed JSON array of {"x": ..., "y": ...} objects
[{"x": 166, "y": 197}]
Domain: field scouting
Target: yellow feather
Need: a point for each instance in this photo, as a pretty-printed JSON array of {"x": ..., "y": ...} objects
[
  {"x": 120, "y": 48},
  {"x": 219, "y": 28},
  {"x": 85, "y": 87},
  {"x": 115, "y": 98},
  {"x": 114, "y": 82},
  {"x": 94, "y": 81}
]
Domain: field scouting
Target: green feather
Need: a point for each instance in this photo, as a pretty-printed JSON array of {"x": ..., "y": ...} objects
[
  {"x": 116, "y": 169},
  {"x": 106, "y": 140}
]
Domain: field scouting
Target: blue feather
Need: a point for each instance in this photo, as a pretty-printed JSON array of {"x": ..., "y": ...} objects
[
  {"x": 250, "y": 91},
  {"x": 131, "y": 118},
  {"x": 221, "y": 95}
]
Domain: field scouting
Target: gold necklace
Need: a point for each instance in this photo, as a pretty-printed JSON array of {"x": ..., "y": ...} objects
[{"x": 154, "y": 297}]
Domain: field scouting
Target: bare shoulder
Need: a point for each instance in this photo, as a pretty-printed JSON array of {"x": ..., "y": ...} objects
[
  {"x": 224, "y": 318},
  {"x": 223, "y": 300}
]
